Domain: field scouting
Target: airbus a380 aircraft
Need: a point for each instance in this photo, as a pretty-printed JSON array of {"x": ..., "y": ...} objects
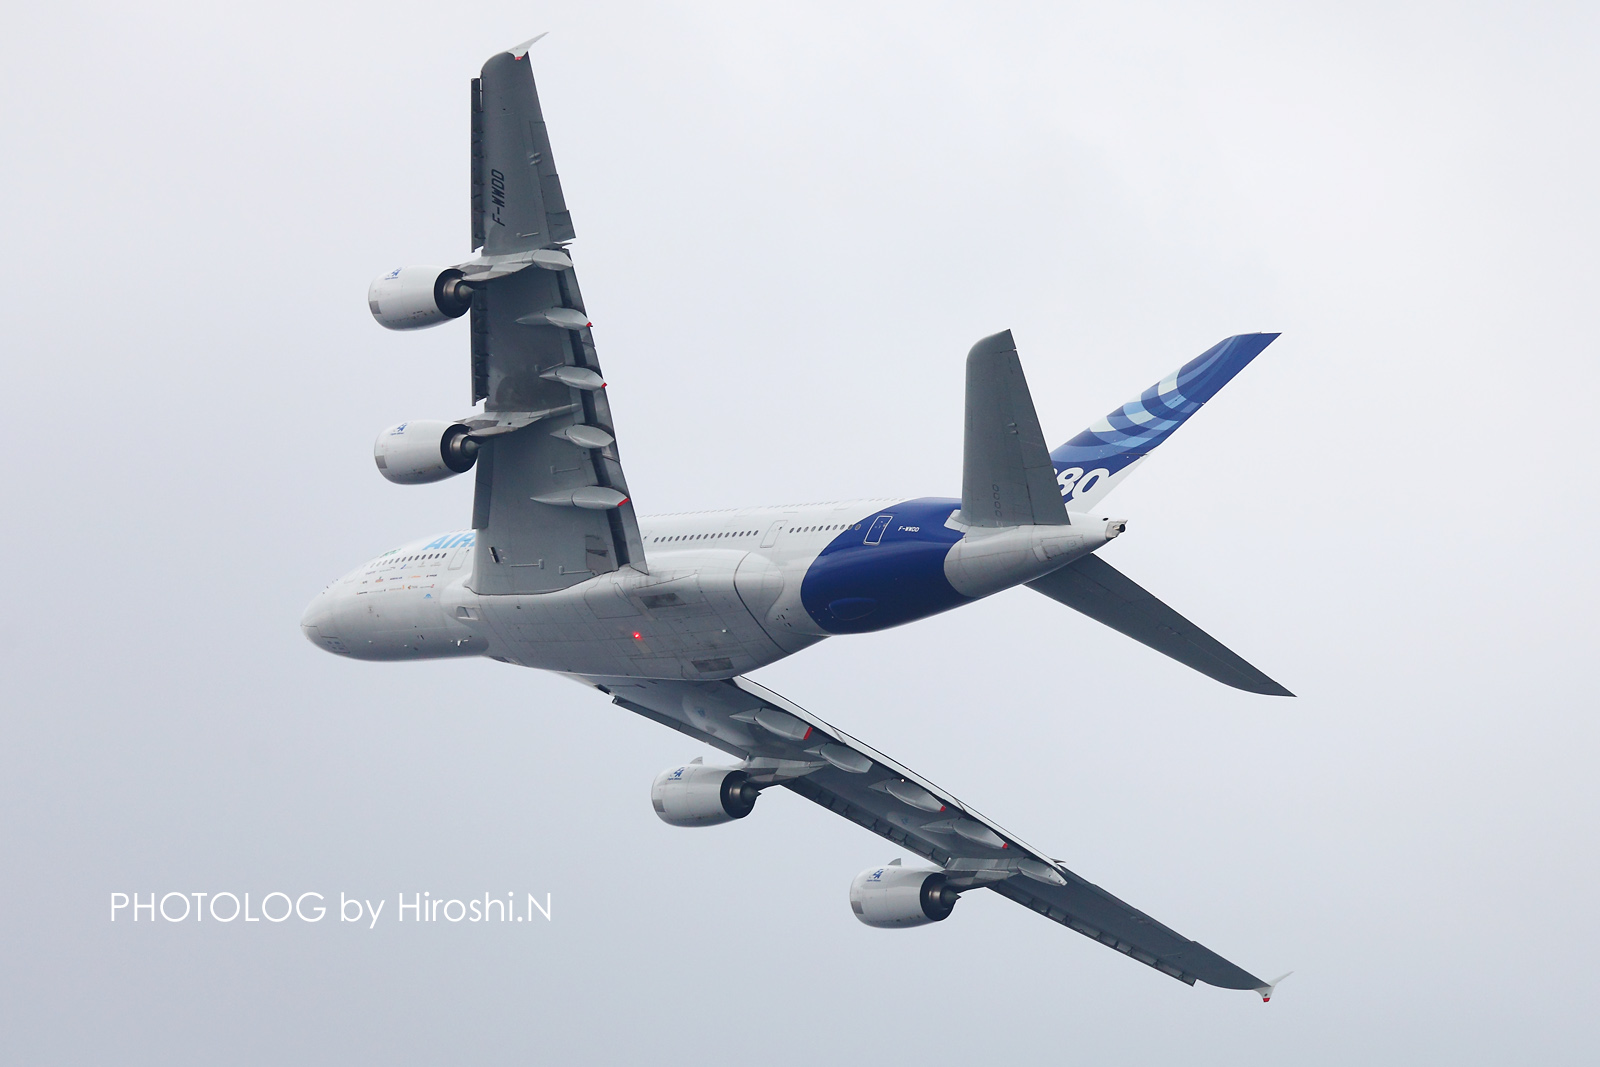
[{"x": 666, "y": 615}]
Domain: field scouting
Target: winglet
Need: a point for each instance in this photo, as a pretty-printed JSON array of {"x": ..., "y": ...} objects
[
  {"x": 522, "y": 49},
  {"x": 1267, "y": 990}
]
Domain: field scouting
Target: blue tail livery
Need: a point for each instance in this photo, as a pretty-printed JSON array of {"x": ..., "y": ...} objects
[{"x": 1093, "y": 463}]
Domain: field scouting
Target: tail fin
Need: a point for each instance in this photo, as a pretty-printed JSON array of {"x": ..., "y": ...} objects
[{"x": 1097, "y": 460}]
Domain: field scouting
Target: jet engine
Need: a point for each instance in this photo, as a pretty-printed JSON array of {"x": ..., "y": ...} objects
[
  {"x": 697, "y": 795},
  {"x": 413, "y": 298},
  {"x": 426, "y": 450},
  {"x": 893, "y": 896}
]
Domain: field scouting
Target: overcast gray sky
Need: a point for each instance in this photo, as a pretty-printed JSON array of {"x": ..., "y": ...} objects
[{"x": 792, "y": 223}]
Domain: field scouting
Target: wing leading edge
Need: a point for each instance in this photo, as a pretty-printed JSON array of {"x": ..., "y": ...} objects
[{"x": 822, "y": 763}]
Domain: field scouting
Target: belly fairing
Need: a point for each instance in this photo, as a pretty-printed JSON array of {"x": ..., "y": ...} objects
[{"x": 886, "y": 572}]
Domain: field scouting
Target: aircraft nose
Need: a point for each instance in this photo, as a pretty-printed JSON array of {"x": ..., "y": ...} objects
[{"x": 318, "y": 623}]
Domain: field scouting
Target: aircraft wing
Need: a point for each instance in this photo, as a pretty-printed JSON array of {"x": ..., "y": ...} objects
[
  {"x": 551, "y": 505},
  {"x": 786, "y": 745}
]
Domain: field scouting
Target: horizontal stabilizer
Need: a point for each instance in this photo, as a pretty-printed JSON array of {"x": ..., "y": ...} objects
[
  {"x": 1007, "y": 479},
  {"x": 1105, "y": 594}
]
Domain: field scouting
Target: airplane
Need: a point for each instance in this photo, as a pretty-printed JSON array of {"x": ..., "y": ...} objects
[{"x": 666, "y": 615}]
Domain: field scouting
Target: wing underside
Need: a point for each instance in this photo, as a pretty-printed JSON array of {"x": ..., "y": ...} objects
[
  {"x": 552, "y": 505},
  {"x": 837, "y": 772}
]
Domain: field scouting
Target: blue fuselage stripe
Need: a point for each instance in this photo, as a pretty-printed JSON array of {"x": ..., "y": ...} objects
[{"x": 855, "y": 586}]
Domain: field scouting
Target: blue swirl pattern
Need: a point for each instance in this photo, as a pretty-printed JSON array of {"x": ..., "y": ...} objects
[{"x": 1133, "y": 430}]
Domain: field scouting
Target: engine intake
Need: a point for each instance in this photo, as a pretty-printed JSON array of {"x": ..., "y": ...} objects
[
  {"x": 414, "y": 298},
  {"x": 697, "y": 795},
  {"x": 425, "y": 450},
  {"x": 893, "y": 896}
]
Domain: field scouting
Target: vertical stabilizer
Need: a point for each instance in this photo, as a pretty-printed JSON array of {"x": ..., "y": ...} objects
[{"x": 1097, "y": 460}]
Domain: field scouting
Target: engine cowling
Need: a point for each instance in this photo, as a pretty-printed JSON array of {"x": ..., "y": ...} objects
[
  {"x": 414, "y": 298},
  {"x": 424, "y": 450},
  {"x": 697, "y": 795},
  {"x": 893, "y": 896}
]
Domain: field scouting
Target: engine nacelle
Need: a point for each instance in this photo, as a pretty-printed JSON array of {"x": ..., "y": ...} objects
[
  {"x": 894, "y": 896},
  {"x": 426, "y": 450},
  {"x": 413, "y": 298},
  {"x": 697, "y": 795}
]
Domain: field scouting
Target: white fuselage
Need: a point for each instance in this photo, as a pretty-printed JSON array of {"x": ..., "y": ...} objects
[{"x": 722, "y": 594}]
